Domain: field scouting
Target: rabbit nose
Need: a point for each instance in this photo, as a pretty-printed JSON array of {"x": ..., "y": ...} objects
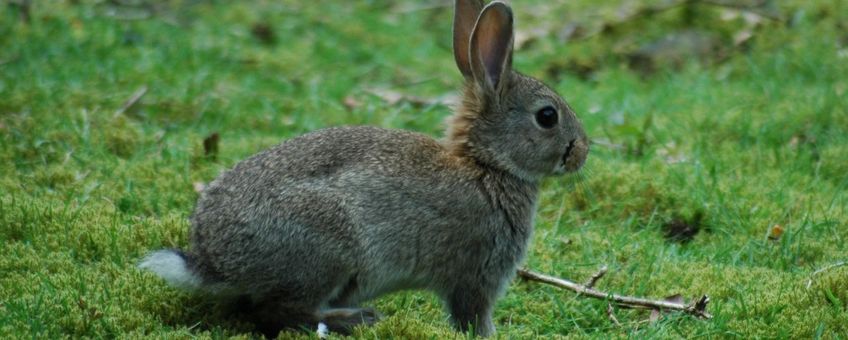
[{"x": 575, "y": 154}]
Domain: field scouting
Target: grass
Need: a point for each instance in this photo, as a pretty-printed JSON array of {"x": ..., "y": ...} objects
[{"x": 731, "y": 148}]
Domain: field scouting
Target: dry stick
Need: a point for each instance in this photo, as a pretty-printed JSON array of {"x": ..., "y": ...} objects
[
  {"x": 594, "y": 279},
  {"x": 130, "y": 102},
  {"x": 697, "y": 308},
  {"x": 822, "y": 270},
  {"x": 611, "y": 315}
]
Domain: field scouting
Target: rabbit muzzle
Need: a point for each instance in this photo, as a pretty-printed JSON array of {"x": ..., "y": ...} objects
[{"x": 574, "y": 155}]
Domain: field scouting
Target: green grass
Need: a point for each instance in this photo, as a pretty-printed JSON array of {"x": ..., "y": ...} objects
[{"x": 735, "y": 147}]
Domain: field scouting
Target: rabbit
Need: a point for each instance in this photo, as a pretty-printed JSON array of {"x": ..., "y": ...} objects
[{"x": 309, "y": 229}]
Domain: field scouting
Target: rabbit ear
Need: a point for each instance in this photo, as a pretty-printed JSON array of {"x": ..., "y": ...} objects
[
  {"x": 464, "y": 17},
  {"x": 491, "y": 45}
]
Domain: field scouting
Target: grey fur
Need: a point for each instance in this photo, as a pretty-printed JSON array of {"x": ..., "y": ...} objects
[{"x": 314, "y": 226}]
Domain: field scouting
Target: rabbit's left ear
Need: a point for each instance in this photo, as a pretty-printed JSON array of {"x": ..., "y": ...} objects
[{"x": 491, "y": 45}]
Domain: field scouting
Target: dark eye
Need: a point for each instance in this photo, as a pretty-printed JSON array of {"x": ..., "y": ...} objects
[{"x": 547, "y": 117}]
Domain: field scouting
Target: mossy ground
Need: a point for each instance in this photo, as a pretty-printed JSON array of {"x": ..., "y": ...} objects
[{"x": 730, "y": 147}]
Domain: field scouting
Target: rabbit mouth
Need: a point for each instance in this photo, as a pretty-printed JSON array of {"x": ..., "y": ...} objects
[
  {"x": 573, "y": 157},
  {"x": 568, "y": 153}
]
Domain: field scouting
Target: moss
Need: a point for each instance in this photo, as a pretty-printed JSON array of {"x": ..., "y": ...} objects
[{"x": 756, "y": 140}]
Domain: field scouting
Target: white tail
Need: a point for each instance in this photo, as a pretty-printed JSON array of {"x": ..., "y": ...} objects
[{"x": 171, "y": 266}]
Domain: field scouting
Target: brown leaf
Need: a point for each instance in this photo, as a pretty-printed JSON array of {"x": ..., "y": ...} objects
[
  {"x": 775, "y": 232},
  {"x": 656, "y": 315},
  {"x": 210, "y": 145},
  {"x": 676, "y": 298},
  {"x": 351, "y": 103}
]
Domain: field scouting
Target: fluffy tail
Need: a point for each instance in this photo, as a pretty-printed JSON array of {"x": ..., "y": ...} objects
[{"x": 172, "y": 266}]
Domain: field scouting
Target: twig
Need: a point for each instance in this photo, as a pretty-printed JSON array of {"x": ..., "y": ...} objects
[
  {"x": 612, "y": 315},
  {"x": 822, "y": 270},
  {"x": 132, "y": 100},
  {"x": 594, "y": 279},
  {"x": 697, "y": 308}
]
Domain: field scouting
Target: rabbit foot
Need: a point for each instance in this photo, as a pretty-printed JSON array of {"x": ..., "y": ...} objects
[{"x": 343, "y": 320}]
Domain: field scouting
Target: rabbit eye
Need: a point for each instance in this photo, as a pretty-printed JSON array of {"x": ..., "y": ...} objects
[{"x": 547, "y": 117}]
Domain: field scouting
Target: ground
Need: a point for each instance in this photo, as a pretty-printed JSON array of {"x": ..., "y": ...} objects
[{"x": 719, "y": 164}]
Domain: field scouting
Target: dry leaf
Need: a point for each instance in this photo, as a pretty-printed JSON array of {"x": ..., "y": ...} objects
[
  {"x": 655, "y": 313},
  {"x": 676, "y": 298},
  {"x": 742, "y": 37},
  {"x": 775, "y": 232},
  {"x": 351, "y": 103}
]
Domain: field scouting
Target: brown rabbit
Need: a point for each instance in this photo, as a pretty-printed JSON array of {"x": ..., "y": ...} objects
[{"x": 312, "y": 227}]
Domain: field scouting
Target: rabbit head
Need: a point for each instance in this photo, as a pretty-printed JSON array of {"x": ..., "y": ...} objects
[{"x": 507, "y": 120}]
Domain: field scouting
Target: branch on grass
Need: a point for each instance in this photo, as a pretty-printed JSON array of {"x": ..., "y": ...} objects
[
  {"x": 697, "y": 308},
  {"x": 594, "y": 279},
  {"x": 822, "y": 270}
]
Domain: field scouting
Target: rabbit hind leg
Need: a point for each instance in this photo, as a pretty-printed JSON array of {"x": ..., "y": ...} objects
[
  {"x": 271, "y": 317},
  {"x": 343, "y": 320}
]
